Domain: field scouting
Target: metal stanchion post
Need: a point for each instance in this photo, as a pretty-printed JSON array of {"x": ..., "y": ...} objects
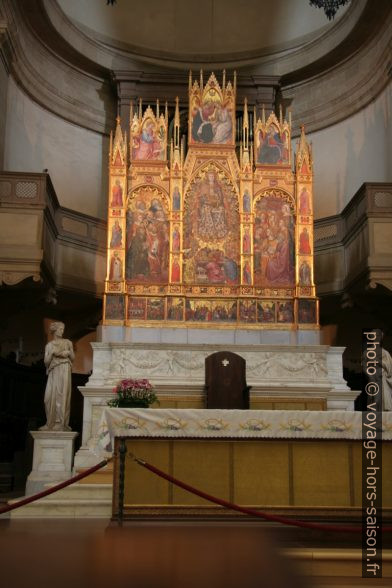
[{"x": 122, "y": 453}]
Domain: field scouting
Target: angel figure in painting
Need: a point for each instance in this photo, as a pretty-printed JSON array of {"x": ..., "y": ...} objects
[{"x": 58, "y": 359}]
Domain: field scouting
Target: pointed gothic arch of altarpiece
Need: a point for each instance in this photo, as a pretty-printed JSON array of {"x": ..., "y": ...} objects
[{"x": 210, "y": 239}]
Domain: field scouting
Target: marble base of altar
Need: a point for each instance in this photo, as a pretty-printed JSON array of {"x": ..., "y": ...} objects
[
  {"x": 52, "y": 458},
  {"x": 290, "y": 372},
  {"x": 225, "y": 335}
]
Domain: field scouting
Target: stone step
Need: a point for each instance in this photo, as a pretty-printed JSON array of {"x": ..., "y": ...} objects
[
  {"x": 102, "y": 476},
  {"x": 77, "y": 500},
  {"x": 82, "y": 491},
  {"x": 64, "y": 509}
]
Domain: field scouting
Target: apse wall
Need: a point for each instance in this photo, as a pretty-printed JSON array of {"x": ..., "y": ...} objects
[
  {"x": 357, "y": 150},
  {"x": 76, "y": 158}
]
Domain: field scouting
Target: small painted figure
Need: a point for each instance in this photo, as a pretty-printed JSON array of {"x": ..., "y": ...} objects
[
  {"x": 137, "y": 259},
  {"x": 116, "y": 240},
  {"x": 305, "y": 277},
  {"x": 246, "y": 202},
  {"x": 246, "y": 273},
  {"x": 176, "y": 198},
  {"x": 285, "y": 312},
  {"x": 176, "y": 239},
  {"x": 117, "y": 199},
  {"x": 273, "y": 148},
  {"x": 307, "y": 311},
  {"x": 304, "y": 244},
  {"x": 147, "y": 145},
  {"x": 115, "y": 272},
  {"x": 304, "y": 202},
  {"x": 246, "y": 244},
  {"x": 114, "y": 307},
  {"x": 175, "y": 271}
]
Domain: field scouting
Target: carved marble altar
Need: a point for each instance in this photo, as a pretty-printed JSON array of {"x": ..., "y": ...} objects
[{"x": 177, "y": 371}]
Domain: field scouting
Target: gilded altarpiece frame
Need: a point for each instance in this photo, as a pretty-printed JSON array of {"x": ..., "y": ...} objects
[{"x": 210, "y": 239}]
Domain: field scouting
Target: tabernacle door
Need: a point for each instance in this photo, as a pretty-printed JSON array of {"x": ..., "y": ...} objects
[{"x": 226, "y": 381}]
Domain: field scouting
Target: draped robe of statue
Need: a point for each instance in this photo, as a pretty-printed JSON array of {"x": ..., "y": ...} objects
[
  {"x": 386, "y": 363},
  {"x": 58, "y": 361}
]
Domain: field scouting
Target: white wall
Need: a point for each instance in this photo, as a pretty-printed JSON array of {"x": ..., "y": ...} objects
[
  {"x": 76, "y": 158},
  {"x": 352, "y": 152}
]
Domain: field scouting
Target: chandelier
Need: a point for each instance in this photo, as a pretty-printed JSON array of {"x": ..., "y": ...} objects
[{"x": 330, "y": 6}]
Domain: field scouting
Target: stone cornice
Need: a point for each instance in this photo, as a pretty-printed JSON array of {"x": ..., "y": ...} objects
[
  {"x": 74, "y": 94},
  {"x": 53, "y": 231},
  {"x": 343, "y": 90},
  {"x": 347, "y": 243}
]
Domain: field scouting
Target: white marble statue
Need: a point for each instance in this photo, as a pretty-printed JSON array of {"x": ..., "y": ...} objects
[
  {"x": 386, "y": 363},
  {"x": 58, "y": 359}
]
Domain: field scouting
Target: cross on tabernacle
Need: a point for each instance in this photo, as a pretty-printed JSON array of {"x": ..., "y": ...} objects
[{"x": 225, "y": 362}]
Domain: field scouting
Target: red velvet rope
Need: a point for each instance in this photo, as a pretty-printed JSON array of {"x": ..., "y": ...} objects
[
  {"x": 251, "y": 511},
  {"x": 55, "y": 488}
]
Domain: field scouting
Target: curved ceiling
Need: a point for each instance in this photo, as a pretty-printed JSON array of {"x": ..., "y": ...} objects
[
  {"x": 200, "y": 27},
  {"x": 83, "y": 59}
]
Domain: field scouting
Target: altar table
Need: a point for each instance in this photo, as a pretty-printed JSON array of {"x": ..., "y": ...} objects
[{"x": 303, "y": 461}]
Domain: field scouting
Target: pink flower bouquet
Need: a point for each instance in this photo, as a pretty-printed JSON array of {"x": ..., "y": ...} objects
[{"x": 136, "y": 393}]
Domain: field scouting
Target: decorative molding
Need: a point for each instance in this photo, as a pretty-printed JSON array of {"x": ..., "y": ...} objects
[
  {"x": 11, "y": 278},
  {"x": 44, "y": 255},
  {"x": 346, "y": 253}
]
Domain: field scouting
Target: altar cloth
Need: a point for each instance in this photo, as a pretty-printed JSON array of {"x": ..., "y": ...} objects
[{"x": 232, "y": 424}]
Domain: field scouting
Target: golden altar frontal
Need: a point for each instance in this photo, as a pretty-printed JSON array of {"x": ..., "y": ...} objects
[
  {"x": 290, "y": 461},
  {"x": 218, "y": 237}
]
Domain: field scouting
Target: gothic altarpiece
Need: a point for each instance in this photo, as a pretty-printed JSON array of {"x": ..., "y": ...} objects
[{"x": 210, "y": 239}]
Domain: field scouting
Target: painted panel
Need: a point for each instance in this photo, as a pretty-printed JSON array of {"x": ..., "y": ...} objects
[
  {"x": 274, "y": 250},
  {"x": 147, "y": 228}
]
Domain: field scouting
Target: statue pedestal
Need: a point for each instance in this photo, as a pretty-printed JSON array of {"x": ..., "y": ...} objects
[{"x": 52, "y": 458}]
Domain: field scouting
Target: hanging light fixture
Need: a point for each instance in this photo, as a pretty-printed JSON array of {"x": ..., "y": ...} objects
[
  {"x": 110, "y": 2},
  {"x": 330, "y": 6}
]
